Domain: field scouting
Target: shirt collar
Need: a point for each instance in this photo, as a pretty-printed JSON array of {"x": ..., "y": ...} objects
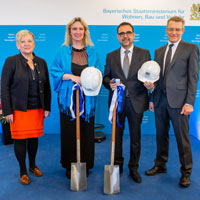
[
  {"x": 175, "y": 44},
  {"x": 130, "y": 49}
]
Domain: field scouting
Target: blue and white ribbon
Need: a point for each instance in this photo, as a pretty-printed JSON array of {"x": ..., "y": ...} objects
[
  {"x": 117, "y": 97},
  {"x": 81, "y": 102}
]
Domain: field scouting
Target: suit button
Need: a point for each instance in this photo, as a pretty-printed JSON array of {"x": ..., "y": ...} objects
[
  {"x": 38, "y": 72},
  {"x": 40, "y": 81},
  {"x": 40, "y": 91}
]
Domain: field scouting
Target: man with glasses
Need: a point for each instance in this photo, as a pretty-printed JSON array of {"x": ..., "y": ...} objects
[
  {"x": 124, "y": 64},
  {"x": 173, "y": 98}
]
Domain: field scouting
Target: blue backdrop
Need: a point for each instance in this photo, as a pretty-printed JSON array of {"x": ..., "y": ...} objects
[{"x": 50, "y": 37}]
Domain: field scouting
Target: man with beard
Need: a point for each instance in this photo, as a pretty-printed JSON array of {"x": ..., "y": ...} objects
[{"x": 124, "y": 64}]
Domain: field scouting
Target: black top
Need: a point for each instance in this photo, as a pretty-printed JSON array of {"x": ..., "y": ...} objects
[
  {"x": 78, "y": 68},
  {"x": 33, "y": 90}
]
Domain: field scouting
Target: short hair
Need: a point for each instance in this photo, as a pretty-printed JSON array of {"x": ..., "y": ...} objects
[
  {"x": 176, "y": 19},
  {"x": 125, "y": 24},
  {"x": 23, "y": 33},
  {"x": 68, "y": 39}
]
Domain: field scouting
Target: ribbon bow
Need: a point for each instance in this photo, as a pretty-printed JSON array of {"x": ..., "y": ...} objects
[
  {"x": 81, "y": 104},
  {"x": 117, "y": 96}
]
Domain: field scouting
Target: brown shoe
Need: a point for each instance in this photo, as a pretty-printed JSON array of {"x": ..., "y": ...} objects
[
  {"x": 24, "y": 179},
  {"x": 36, "y": 171}
]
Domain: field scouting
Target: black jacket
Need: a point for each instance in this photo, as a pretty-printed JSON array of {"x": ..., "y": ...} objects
[
  {"x": 113, "y": 69},
  {"x": 15, "y": 84}
]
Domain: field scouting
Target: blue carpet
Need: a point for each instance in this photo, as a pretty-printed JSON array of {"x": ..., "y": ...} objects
[{"x": 54, "y": 185}]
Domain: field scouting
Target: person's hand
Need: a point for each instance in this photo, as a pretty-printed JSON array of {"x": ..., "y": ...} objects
[
  {"x": 76, "y": 79},
  {"x": 149, "y": 85},
  {"x": 9, "y": 118},
  {"x": 113, "y": 85},
  {"x": 46, "y": 114},
  {"x": 151, "y": 106},
  {"x": 187, "y": 109}
]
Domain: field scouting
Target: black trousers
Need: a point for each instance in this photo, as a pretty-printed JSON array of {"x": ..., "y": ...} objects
[
  {"x": 134, "y": 122},
  {"x": 68, "y": 141},
  {"x": 163, "y": 114}
]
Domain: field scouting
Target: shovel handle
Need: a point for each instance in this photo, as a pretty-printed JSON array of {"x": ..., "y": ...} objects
[
  {"x": 78, "y": 126},
  {"x": 112, "y": 153},
  {"x": 114, "y": 122}
]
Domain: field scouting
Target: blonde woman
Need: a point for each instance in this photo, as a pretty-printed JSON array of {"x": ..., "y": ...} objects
[
  {"x": 75, "y": 54},
  {"x": 26, "y": 99}
]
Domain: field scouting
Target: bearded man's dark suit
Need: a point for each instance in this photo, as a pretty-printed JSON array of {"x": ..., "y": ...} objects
[
  {"x": 133, "y": 106},
  {"x": 181, "y": 86}
]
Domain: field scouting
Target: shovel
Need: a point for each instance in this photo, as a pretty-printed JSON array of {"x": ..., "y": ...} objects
[
  {"x": 111, "y": 172},
  {"x": 78, "y": 169}
]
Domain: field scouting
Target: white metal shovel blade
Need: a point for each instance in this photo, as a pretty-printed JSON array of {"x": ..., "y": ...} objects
[
  {"x": 78, "y": 176},
  {"x": 111, "y": 179}
]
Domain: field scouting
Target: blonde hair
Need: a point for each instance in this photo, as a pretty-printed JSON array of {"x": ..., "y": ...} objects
[
  {"x": 68, "y": 38},
  {"x": 23, "y": 33},
  {"x": 176, "y": 19}
]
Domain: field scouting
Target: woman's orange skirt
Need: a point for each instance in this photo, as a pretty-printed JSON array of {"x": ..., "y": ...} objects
[{"x": 27, "y": 124}]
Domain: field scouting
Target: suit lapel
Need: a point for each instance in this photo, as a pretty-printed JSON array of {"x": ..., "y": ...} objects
[
  {"x": 119, "y": 66},
  {"x": 132, "y": 69},
  {"x": 177, "y": 53},
  {"x": 134, "y": 62}
]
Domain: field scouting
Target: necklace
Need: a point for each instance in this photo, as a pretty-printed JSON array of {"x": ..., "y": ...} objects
[{"x": 79, "y": 50}]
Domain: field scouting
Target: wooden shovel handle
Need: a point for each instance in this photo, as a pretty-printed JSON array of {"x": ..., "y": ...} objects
[
  {"x": 114, "y": 119},
  {"x": 78, "y": 126},
  {"x": 77, "y": 115},
  {"x": 114, "y": 122},
  {"x": 112, "y": 152}
]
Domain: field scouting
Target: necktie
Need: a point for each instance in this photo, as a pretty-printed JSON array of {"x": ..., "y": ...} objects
[
  {"x": 167, "y": 64},
  {"x": 126, "y": 64}
]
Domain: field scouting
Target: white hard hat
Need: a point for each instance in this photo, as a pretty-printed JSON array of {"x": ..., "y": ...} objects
[
  {"x": 91, "y": 80},
  {"x": 150, "y": 71}
]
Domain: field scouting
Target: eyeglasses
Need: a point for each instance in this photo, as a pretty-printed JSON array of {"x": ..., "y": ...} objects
[
  {"x": 174, "y": 29},
  {"x": 122, "y": 34}
]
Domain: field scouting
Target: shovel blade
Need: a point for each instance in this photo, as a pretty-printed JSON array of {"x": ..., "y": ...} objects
[
  {"x": 111, "y": 179},
  {"x": 78, "y": 177}
]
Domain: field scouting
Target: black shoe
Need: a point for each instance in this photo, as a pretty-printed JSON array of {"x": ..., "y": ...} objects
[
  {"x": 156, "y": 170},
  {"x": 68, "y": 174},
  {"x": 185, "y": 181},
  {"x": 135, "y": 176}
]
